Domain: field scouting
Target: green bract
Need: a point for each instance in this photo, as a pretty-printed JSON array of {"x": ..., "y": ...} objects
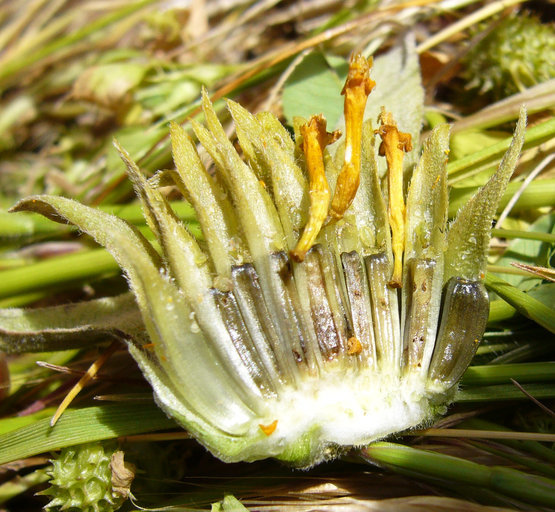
[{"x": 261, "y": 356}]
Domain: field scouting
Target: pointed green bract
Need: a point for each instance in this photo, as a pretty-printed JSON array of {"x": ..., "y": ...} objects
[
  {"x": 289, "y": 186},
  {"x": 428, "y": 200},
  {"x": 213, "y": 208},
  {"x": 131, "y": 250},
  {"x": 470, "y": 232}
]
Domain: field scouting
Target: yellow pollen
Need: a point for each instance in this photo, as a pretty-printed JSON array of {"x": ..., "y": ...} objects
[
  {"x": 315, "y": 139},
  {"x": 354, "y": 346},
  {"x": 394, "y": 145},
  {"x": 356, "y": 90},
  {"x": 269, "y": 429}
]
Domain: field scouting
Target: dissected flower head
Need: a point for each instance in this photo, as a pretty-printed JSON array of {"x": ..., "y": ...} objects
[{"x": 304, "y": 324}]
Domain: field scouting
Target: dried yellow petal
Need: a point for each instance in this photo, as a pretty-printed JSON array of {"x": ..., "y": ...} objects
[
  {"x": 315, "y": 139},
  {"x": 394, "y": 144},
  {"x": 356, "y": 90}
]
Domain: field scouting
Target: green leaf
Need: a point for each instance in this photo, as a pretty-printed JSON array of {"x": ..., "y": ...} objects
[
  {"x": 489, "y": 155},
  {"x": 505, "y": 392},
  {"x": 228, "y": 504},
  {"x": 55, "y": 272},
  {"x": 109, "y": 84},
  {"x": 313, "y": 88},
  {"x": 82, "y": 426},
  {"x": 502, "y": 373}
]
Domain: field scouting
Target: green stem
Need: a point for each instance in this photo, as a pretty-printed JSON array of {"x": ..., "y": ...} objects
[
  {"x": 501, "y": 269},
  {"x": 535, "y": 135},
  {"x": 502, "y": 373},
  {"x": 528, "y": 235},
  {"x": 65, "y": 269},
  {"x": 530, "y": 488},
  {"x": 505, "y": 392},
  {"x": 537, "y": 194}
]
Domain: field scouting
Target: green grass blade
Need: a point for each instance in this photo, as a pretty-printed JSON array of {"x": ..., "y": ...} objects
[
  {"x": 505, "y": 392},
  {"x": 25, "y": 224},
  {"x": 522, "y": 302},
  {"x": 82, "y": 426}
]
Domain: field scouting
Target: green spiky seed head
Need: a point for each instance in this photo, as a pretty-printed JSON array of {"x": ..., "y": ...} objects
[
  {"x": 87, "y": 478},
  {"x": 517, "y": 54}
]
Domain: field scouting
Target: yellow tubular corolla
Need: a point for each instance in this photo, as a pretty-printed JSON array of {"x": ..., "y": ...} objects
[
  {"x": 394, "y": 144},
  {"x": 315, "y": 139},
  {"x": 356, "y": 91}
]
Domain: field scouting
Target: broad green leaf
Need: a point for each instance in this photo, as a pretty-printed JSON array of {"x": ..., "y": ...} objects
[
  {"x": 79, "y": 426},
  {"x": 313, "y": 88}
]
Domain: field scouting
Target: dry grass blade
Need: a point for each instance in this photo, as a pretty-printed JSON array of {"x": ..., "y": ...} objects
[
  {"x": 485, "y": 434},
  {"x": 542, "y": 272},
  {"x": 83, "y": 381},
  {"x": 408, "y": 504}
]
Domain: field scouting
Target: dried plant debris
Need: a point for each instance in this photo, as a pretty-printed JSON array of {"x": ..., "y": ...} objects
[{"x": 271, "y": 342}]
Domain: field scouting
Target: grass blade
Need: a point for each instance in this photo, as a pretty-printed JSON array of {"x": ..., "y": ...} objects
[{"x": 82, "y": 426}]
